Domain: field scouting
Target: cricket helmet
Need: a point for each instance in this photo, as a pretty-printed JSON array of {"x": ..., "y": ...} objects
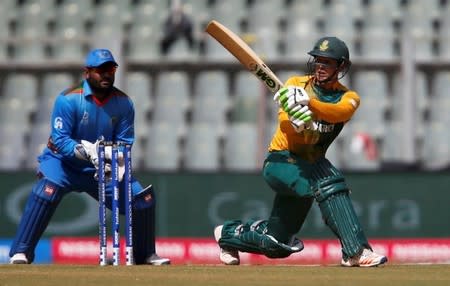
[{"x": 331, "y": 47}]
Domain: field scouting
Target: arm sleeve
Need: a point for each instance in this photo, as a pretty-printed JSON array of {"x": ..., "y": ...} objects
[
  {"x": 125, "y": 127},
  {"x": 63, "y": 118},
  {"x": 340, "y": 111}
]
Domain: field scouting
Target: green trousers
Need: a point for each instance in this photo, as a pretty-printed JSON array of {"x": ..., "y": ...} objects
[{"x": 296, "y": 184}]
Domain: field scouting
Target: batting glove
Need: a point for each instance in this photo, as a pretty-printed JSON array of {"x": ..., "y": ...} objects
[
  {"x": 301, "y": 118},
  {"x": 291, "y": 96}
]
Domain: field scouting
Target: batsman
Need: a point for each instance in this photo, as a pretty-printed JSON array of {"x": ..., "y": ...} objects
[{"x": 313, "y": 110}]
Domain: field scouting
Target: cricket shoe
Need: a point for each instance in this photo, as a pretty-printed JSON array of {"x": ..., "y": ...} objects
[
  {"x": 154, "y": 259},
  {"x": 18, "y": 258},
  {"x": 228, "y": 257},
  {"x": 367, "y": 258}
]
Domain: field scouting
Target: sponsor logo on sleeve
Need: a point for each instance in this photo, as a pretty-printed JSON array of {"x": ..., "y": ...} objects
[{"x": 58, "y": 123}]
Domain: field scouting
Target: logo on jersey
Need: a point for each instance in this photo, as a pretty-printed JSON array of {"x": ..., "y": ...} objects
[
  {"x": 323, "y": 46},
  {"x": 291, "y": 160},
  {"x": 85, "y": 118},
  {"x": 322, "y": 127},
  {"x": 58, "y": 123},
  {"x": 49, "y": 190}
]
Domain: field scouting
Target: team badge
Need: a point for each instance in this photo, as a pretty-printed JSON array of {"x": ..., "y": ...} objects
[
  {"x": 58, "y": 123},
  {"x": 148, "y": 198},
  {"x": 291, "y": 160},
  {"x": 323, "y": 46},
  {"x": 49, "y": 190}
]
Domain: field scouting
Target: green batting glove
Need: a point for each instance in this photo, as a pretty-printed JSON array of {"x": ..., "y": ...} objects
[{"x": 281, "y": 96}]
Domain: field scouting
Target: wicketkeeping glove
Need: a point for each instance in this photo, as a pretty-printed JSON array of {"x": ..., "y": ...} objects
[
  {"x": 87, "y": 151},
  {"x": 108, "y": 167}
]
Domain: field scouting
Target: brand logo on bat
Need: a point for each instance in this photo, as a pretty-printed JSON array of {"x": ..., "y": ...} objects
[{"x": 263, "y": 75}]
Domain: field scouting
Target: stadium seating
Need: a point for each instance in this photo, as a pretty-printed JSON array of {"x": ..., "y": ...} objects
[
  {"x": 52, "y": 85},
  {"x": 372, "y": 87},
  {"x": 201, "y": 151},
  {"x": 246, "y": 102},
  {"x": 12, "y": 147},
  {"x": 138, "y": 86},
  {"x": 440, "y": 101},
  {"x": 240, "y": 151},
  {"x": 162, "y": 150},
  {"x": 18, "y": 101},
  {"x": 436, "y": 151},
  {"x": 39, "y": 135},
  {"x": 173, "y": 102},
  {"x": 211, "y": 102},
  {"x": 70, "y": 31}
]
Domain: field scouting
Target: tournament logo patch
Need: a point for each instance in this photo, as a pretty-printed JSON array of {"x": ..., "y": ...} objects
[
  {"x": 148, "y": 198},
  {"x": 58, "y": 123},
  {"x": 49, "y": 190},
  {"x": 85, "y": 118},
  {"x": 103, "y": 54}
]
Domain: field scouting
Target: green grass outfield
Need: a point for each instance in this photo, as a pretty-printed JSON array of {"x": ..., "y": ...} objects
[{"x": 198, "y": 275}]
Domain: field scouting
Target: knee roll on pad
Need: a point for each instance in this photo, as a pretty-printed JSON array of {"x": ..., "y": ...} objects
[
  {"x": 47, "y": 191},
  {"x": 251, "y": 237}
]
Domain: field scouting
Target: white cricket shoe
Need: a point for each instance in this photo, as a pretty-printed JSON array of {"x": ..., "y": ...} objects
[
  {"x": 228, "y": 257},
  {"x": 367, "y": 258},
  {"x": 18, "y": 258},
  {"x": 154, "y": 259}
]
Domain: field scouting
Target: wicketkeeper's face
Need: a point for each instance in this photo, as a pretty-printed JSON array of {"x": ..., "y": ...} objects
[{"x": 101, "y": 77}]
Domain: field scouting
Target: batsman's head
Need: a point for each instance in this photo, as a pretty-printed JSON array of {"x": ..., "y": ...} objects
[
  {"x": 330, "y": 60},
  {"x": 331, "y": 47}
]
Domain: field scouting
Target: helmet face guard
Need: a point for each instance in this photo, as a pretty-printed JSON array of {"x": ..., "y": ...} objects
[
  {"x": 334, "y": 48},
  {"x": 341, "y": 68}
]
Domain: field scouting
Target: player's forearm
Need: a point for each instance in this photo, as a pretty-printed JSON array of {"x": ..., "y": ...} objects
[
  {"x": 334, "y": 112},
  {"x": 64, "y": 146}
]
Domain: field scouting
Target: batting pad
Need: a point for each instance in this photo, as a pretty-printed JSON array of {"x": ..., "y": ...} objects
[
  {"x": 339, "y": 214},
  {"x": 39, "y": 209},
  {"x": 251, "y": 237}
]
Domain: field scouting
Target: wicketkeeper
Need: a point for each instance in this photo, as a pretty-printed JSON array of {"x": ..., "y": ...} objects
[
  {"x": 81, "y": 115},
  {"x": 313, "y": 110}
]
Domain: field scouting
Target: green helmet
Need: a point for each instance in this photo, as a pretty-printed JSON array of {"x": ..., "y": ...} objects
[{"x": 331, "y": 47}]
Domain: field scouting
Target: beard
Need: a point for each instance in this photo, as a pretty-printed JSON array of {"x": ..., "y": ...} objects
[{"x": 103, "y": 86}]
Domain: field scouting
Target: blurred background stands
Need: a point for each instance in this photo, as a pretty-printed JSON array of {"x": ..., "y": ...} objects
[{"x": 190, "y": 99}]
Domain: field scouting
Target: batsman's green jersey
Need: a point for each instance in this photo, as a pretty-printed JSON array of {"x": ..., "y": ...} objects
[{"x": 331, "y": 109}]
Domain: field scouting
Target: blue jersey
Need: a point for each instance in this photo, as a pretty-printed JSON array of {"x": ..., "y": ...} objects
[{"x": 78, "y": 115}]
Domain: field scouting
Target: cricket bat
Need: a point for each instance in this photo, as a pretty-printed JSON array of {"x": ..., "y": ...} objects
[{"x": 238, "y": 48}]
